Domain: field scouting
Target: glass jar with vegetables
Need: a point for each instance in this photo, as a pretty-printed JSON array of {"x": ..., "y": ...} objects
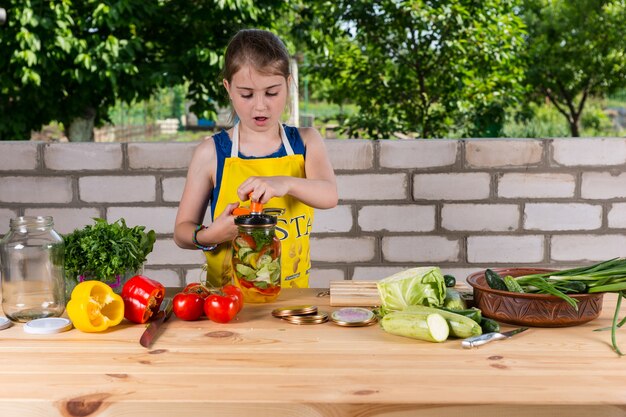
[
  {"x": 31, "y": 256},
  {"x": 256, "y": 258}
]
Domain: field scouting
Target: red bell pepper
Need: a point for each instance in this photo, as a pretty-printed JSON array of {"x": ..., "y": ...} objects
[{"x": 142, "y": 298}]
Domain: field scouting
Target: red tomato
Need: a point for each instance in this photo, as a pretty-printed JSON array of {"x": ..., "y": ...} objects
[
  {"x": 188, "y": 306},
  {"x": 197, "y": 288},
  {"x": 234, "y": 291},
  {"x": 221, "y": 308}
]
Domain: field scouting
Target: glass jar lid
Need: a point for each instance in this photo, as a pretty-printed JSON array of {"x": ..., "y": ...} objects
[{"x": 256, "y": 220}]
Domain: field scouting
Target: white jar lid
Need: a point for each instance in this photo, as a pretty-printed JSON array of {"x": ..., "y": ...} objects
[
  {"x": 48, "y": 325},
  {"x": 5, "y": 323}
]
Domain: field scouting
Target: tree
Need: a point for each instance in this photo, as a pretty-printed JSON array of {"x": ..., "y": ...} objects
[
  {"x": 575, "y": 50},
  {"x": 70, "y": 61},
  {"x": 423, "y": 66}
]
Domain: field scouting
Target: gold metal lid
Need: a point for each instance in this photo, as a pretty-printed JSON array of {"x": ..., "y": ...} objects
[
  {"x": 311, "y": 319},
  {"x": 353, "y": 317},
  {"x": 294, "y": 311}
]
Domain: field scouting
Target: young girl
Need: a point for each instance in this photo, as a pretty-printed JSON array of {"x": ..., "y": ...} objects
[{"x": 258, "y": 159}]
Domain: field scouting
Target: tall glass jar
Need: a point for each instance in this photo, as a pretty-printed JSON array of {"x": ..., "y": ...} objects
[
  {"x": 31, "y": 260},
  {"x": 256, "y": 258}
]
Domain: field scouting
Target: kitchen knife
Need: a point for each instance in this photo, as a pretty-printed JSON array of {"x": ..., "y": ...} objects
[
  {"x": 152, "y": 330},
  {"x": 476, "y": 341}
]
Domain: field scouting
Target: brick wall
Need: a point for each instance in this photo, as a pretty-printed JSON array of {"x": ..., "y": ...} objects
[{"x": 462, "y": 205}]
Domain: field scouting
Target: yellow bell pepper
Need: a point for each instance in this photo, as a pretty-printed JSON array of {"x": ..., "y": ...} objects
[{"x": 94, "y": 307}]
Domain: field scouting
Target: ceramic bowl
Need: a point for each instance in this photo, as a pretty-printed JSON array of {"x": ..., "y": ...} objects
[{"x": 535, "y": 310}]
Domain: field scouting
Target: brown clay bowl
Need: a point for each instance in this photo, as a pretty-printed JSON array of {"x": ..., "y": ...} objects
[{"x": 535, "y": 310}]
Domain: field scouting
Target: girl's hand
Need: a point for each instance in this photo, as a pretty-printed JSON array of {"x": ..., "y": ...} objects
[
  {"x": 223, "y": 228},
  {"x": 263, "y": 188}
]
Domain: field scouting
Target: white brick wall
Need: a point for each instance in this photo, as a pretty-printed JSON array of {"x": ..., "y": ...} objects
[
  {"x": 489, "y": 153},
  {"x": 66, "y": 220},
  {"x": 372, "y": 186},
  {"x": 480, "y": 217},
  {"x": 404, "y": 218},
  {"x": 83, "y": 156},
  {"x": 35, "y": 190},
  {"x": 596, "y": 151},
  {"x": 603, "y": 185},
  {"x": 470, "y": 186},
  {"x": 557, "y": 216},
  {"x": 505, "y": 249},
  {"x": 542, "y": 185},
  {"x": 420, "y": 249},
  {"x": 460, "y": 205},
  {"x": 117, "y": 189},
  {"x": 418, "y": 154},
  {"x": 16, "y": 156}
]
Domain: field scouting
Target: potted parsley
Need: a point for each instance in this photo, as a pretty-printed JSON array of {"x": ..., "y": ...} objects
[{"x": 110, "y": 253}]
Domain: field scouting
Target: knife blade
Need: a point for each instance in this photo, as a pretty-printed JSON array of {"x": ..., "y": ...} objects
[
  {"x": 476, "y": 341},
  {"x": 152, "y": 330}
]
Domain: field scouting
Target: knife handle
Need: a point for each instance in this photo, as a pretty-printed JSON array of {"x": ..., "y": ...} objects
[{"x": 476, "y": 341}]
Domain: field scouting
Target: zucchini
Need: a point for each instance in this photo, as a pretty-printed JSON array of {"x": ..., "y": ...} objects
[
  {"x": 512, "y": 285},
  {"x": 489, "y": 325},
  {"x": 431, "y": 327},
  {"x": 494, "y": 281},
  {"x": 453, "y": 300},
  {"x": 450, "y": 280},
  {"x": 460, "y": 326}
]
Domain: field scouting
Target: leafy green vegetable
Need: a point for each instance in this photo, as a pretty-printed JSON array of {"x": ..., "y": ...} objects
[
  {"x": 416, "y": 286},
  {"x": 261, "y": 237},
  {"x": 103, "y": 251}
]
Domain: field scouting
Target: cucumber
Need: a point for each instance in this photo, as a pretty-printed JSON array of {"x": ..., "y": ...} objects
[
  {"x": 430, "y": 327},
  {"x": 460, "y": 326},
  {"x": 512, "y": 285},
  {"x": 450, "y": 280},
  {"x": 472, "y": 313},
  {"x": 489, "y": 325},
  {"x": 494, "y": 281},
  {"x": 453, "y": 300}
]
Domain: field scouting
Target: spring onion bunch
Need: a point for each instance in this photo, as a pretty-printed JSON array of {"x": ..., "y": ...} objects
[{"x": 607, "y": 276}]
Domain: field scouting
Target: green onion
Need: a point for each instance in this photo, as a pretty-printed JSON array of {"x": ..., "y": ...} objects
[{"x": 606, "y": 276}]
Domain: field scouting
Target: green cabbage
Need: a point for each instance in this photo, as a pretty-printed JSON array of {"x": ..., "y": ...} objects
[{"x": 417, "y": 286}]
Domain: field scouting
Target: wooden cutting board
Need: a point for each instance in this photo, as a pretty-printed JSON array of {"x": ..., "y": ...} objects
[{"x": 354, "y": 293}]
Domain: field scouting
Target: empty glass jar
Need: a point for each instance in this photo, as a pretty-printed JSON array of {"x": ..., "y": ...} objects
[{"x": 31, "y": 261}]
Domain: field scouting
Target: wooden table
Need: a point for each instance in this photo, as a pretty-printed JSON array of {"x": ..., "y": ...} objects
[{"x": 262, "y": 366}]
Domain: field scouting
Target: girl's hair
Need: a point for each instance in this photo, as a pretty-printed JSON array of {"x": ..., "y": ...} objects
[{"x": 260, "y": 49}]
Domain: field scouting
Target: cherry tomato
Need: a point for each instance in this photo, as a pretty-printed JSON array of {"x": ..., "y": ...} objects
[
  {"x": 197, "y": 288},
  {"x": 188, "y": 306},
  {"x": 234, "y": 291},
  {"x": 221, "y": 308}
]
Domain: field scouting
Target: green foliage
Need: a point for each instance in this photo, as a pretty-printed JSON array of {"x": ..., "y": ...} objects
[
  {"x": 105, "y": 250},
  {"x": 575, "y": 50},
  {"x": 417, "y": 66},
  {"x": 61, "y": 60}
]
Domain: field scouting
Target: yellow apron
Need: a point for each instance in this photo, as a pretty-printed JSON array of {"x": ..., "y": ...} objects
[{"x": 294, "y": 225}]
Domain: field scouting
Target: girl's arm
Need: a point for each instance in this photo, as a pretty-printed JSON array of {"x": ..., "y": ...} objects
[
  {"x": 194, "y": 202},
  {"x": 318, "y": 189}
]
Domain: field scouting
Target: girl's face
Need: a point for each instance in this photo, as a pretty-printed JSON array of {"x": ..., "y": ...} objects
[{"x": 258, "y": 99}]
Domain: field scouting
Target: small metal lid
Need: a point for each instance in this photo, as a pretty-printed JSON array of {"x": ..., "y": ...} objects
[
  {"x": 312, "y": 319},
  {"x": 48, "y": 325},
  {"x": 353, "y": 317},
  {"x": 256, "y": 220},
  {"x": 294, "y": 311},
  {"x": 5, "y": 323}
]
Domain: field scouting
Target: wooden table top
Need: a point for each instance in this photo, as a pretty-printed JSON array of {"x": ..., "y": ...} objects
[{"x": 259, "y": 365}]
